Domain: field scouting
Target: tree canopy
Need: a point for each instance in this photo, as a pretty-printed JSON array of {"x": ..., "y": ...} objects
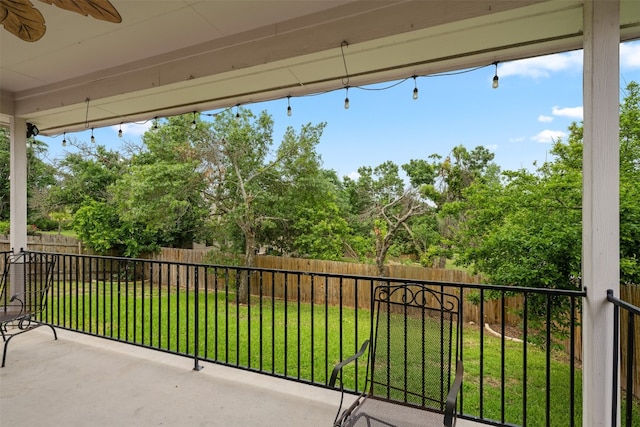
[
  {"x": 225, "y": 182},
  {"x": 526, "y": 229}
]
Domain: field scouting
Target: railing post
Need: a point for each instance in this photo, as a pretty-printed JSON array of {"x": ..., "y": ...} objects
[
  {"x": 196, "y": 319},
  {"x": 630, "y": 365},
  {"x": 616, "y": 359}
]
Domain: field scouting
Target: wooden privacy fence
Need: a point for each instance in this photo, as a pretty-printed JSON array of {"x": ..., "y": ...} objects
[
  {"x": 314, "y": 287},
  {"x": 47, "y": 243},
  {"x": 630, "y": 294}
]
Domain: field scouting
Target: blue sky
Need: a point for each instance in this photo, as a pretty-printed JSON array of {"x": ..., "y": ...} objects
[{"x": 538, "y": 98}]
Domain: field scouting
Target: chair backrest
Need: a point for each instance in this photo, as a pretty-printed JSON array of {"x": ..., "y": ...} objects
[
  {"x": 5, "y": 261},
  {"x": 38, "y": 279},
  {"x": 415, "y": 344}
]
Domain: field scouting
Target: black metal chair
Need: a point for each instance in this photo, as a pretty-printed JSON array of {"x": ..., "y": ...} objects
[
  {"x": 24, "y": 310},
  {"x": 414, "y": 343}
]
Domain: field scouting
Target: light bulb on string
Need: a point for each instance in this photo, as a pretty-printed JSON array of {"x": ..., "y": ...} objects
[
  {"x": 237, "y": 114},
  {"x": 93, "y": 138},
  {"x": 289, "y": 112},
  {"x": 193, "y": 123},
  {"x": 120, "y": 131},
  {"x": 415, "y": 89},
  {"x": 64, "y": 139},
  {"x": 346, "y": 99},
  {"x": 496, "y": 79},
  {"x": 155, "y": 124}
]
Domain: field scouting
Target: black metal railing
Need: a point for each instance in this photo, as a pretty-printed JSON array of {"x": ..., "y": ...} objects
[
  {"x": 624, "y": 348},
  {"x": 5, "y": 260},
  {"x": 297, "y": 325}
]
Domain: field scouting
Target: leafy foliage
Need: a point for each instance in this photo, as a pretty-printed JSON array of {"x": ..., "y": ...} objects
[
  {"x": 526, "y": 229},
  {"x": 40, "y": 178},
  {"x": 228, "y": 183}
]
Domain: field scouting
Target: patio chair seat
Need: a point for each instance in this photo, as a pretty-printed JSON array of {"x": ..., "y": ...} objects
[{"x": 372, "y": 412}]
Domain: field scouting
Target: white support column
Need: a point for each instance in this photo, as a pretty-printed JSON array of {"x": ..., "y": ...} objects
[
  {"x": 600, "y": 211},
  {"x": 18, "y": 197}
]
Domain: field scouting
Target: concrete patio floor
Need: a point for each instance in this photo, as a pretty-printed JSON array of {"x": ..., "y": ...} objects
[{"x": 80, "y": 380}]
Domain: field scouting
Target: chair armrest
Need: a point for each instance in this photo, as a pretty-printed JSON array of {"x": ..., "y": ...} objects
[
  {"x": 452, "y": 397},
  {"x": 339, "y": 366},
  {"x": 19, "y": 297}
]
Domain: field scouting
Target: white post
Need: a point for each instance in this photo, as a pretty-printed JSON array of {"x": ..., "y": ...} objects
[
  {"x": 18, "y": 197},
  {"x": 600, "y": 210}
]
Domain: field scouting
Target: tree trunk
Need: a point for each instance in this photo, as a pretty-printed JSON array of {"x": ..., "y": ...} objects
[
  {"x": 381, "y": 255},
  {"x": 250, "y": 261}
]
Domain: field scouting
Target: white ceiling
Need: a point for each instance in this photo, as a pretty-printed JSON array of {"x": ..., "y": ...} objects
[{"x": 174, "y": 56}]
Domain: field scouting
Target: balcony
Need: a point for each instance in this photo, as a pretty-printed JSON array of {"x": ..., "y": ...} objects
[
  {"x": 142, "y": 330},
  {"x": 131, "y": 385}
]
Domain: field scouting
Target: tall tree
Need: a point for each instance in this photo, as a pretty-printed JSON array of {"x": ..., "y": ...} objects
[
  {"x": 154, "y": 199},
  {"x": 455, "y": 173},
  {"x": 384, "y": 204},
  {"x": 629, "y": 187},
  {"x": 249, "y": 181},
  {"x": 528, "y": 231},
  {"x": 312, "y": 216},
  {"x": 40, "y": 178},
  {"x": 85, "y": 174}
]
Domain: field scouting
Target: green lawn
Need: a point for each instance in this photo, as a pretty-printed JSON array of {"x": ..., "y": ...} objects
[{"x": 305, "y": 341}]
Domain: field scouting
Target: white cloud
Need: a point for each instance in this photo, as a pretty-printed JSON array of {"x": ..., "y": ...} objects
[
  {"x": 630, "y": 55},
  {"x": 492, "y": 147},
  {"x": 571, "y": 112},
  {"x": 545, "y": 119},
  {"x": 133, "y": 129},
  {"x": 354, "y": 176},
  {"x": 517, "y": 139},
  {"x": 548, "y": 136},
  {"x": 542, "y": 66}
]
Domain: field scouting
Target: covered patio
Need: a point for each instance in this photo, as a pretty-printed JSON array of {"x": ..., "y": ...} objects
[
  {"x": 135, "y": 386},
  {"x": 163, "y": 58}
]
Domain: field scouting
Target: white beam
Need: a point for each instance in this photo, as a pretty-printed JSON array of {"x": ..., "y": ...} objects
[
  {"x": 600, "y": 214},
  {"x": 18, "y": 187}
]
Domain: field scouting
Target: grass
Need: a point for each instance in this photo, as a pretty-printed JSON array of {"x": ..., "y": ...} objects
[
  {"x": 515, "y": 385},
  {"x": 262, "y": 336},
  {"x": 305, "y": 341}
]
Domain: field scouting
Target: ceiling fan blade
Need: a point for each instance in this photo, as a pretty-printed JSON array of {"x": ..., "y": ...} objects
[
  {"x": 99, "y": 9},
  {"x": 21, "y": 19}
]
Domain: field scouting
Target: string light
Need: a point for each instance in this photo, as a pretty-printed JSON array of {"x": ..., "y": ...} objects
[
  {"x": 345, "y": 85},
  {"x": 346, "y": 99},
  {"x": 64, "y": 140}
]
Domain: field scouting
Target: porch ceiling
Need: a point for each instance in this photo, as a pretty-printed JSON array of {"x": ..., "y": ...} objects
[{"x": 174, "y": 56}]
